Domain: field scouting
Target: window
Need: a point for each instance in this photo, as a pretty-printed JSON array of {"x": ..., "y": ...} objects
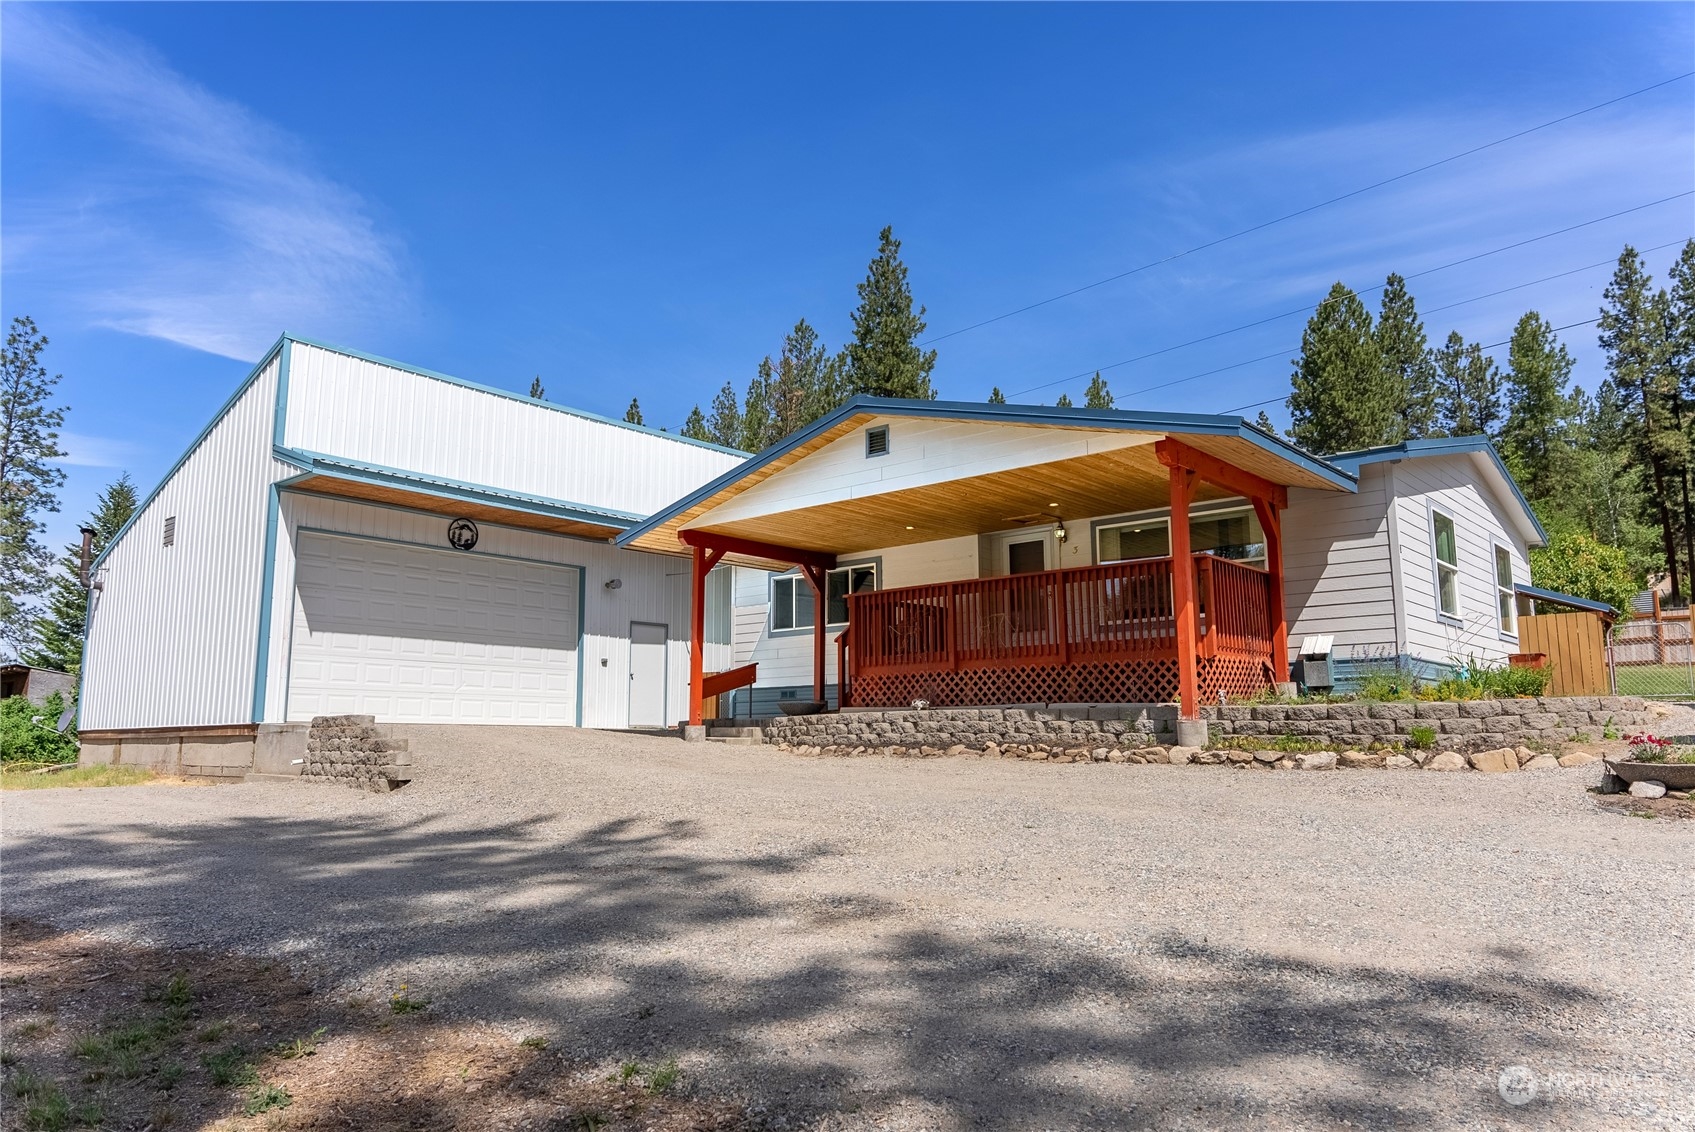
[
  {"x": 1445, "y": 543},
  {"x": 877, "y": 441},
  {"x": 792, "y": 603},
  {"x": 1506, "y": 598},
  {"x": 839, "y": 583},
  {"x": 1234, "y": 534},
  {"x": 170, "y": 530},
  {"x": 720, "y": 598}
]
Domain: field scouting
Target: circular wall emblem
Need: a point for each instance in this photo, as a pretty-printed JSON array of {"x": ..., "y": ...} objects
[{"x": 462, "y": 534}]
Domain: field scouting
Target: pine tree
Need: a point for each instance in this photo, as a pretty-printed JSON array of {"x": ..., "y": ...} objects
[
  {"x": 29, "y": 480},
  {"x": 1407, "y": 364},
  {"x": 1064, "y": 401},
  {"x": 1468, "y": 389},
  {"x": 1537, "y": 438},
  {"x": 996, "y": 397},
  {"x": 695, "y": 426},
  {"x": 1635, "y": 340},
  {"x": 725, "y": 425},
  {"x": 1263, "y": 423},
  {"x": 1608, "y": 497},
  {"x": 536, "y": 389},
  {"x": 802, "y": 389},
  {"x": 58, "y": 632},
  {"x": 1338, "y": 400},
  {"x": 1679, "y": 319},
  {"x": 757, "y": 424},
  {"x": 1097, "y": 396},
  {"x": 883, "y": 359},
  {"x": 633, "y": 415}
]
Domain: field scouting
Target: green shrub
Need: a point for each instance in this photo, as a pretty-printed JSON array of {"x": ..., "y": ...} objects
[
  {"x": 1474, "y": 682},
  {"x": 28, "y": 734},
  {"x": 1421, "y": 736}
]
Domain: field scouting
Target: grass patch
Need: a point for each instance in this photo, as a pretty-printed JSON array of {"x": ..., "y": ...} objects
[
  {"x": 1421, "y": 737},
  {"x": 302, "y": 1047},
  {"x": 230, "y": 1067},
  {"x": 47, "y": 1108},
  {"x": 661, "y": 1077},
  {"x": 402, "y": 1001},
  {"x": 1654, "y": 680},
  {"x": 264, "y": 1098},
  {"x": 537, "y": 1044},
  {"x": 18, "y": 778}
]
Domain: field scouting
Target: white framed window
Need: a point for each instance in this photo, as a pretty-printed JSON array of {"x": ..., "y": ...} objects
[
  {"x": 1445, "y": 551},
  {"x": 1232, "y": 533},
  {"x": 1506, "y": 597},
  {"x": 793, "y": 605}
]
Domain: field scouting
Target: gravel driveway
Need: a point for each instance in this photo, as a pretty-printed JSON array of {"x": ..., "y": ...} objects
[{"x": 951, "y": 943}]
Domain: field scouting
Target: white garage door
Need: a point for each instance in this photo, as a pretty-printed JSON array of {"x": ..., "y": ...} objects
[{"x": 412, "y": 635}]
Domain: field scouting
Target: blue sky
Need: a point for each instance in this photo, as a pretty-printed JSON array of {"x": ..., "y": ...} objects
[{"x": 641, "y": 200}]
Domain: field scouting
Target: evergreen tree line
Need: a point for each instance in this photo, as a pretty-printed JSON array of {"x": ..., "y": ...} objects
[
  {"x": 1614, "y": 466},
  {"x": 806, "y": 379}
]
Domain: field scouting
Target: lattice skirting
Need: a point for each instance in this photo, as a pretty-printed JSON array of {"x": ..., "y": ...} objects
[{"x": 1113, "y": 682}]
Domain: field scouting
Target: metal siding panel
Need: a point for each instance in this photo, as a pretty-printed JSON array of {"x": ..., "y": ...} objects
[
  {"x": 344, "y": 406},
  {"x": 172, "y": 636}
]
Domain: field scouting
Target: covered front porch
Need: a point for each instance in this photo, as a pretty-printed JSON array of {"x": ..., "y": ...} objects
[{"x": 968, "y": 555}]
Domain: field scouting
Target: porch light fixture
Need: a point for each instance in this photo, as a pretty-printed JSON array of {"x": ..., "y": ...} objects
[
  {"x": 615, "y": 584},
  {"x": 910, "y": 527}
]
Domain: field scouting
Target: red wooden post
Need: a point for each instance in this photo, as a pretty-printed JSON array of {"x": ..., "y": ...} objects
[
  {"x": 820, "y": 614},
  {"x": 697, "y": 635},
  {"x": 1271, "y": 522},
  {"x": 1183, "y": 594},
  {"x": 950, "y": 625}
]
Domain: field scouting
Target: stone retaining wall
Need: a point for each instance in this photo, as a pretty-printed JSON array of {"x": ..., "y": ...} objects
[
  {"x": 1071, "y": 728},
  {"x": 351, "y": 749}
]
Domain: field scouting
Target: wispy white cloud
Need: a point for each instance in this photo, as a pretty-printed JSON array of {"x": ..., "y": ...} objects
[
  {"x": 205, "y": 225},
  {"x": 84, "y": 451}
]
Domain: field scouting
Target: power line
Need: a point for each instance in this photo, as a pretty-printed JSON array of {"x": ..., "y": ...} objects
[
  {"x": 1490, "y": 346},
  {"x": 1303, "y": 211},
  {"x": 1361, "y": 291}
]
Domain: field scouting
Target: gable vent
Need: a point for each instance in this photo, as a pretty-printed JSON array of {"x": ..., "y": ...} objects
[
  {"x": 170, "y": 530},
  {"x": 877, "y": 441}
]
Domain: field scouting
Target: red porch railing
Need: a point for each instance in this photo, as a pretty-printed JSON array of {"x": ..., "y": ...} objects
[{"x": 1052, "y": 635}]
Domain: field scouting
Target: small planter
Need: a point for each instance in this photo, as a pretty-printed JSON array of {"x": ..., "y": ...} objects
[{"x": 1676, "y": 776}]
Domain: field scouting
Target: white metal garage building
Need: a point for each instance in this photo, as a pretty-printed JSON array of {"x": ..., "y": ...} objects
[{"x": 352, "y": 535}]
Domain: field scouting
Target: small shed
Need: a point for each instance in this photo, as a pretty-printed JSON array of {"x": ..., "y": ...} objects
[
  {"x": 36, "y": 683},
  {"x": 1570, "y": 635}
]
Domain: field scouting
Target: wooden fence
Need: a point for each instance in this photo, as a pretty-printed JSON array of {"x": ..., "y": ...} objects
[{"x": 1576, "y": 647}]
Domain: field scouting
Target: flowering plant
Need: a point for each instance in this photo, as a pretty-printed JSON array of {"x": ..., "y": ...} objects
[{"x": 1645, "y": 748}]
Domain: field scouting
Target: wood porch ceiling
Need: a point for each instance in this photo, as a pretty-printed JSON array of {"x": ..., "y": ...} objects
[
  {"x": 450, "y": 508},
  {"x": 1103, "y": 483}
]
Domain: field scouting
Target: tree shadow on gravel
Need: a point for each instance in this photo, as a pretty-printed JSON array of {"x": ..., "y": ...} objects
[{"x": 634, "y": 939}]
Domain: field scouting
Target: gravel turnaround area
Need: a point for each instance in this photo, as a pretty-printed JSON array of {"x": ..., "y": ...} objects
[{"x": 950, "y": 943}]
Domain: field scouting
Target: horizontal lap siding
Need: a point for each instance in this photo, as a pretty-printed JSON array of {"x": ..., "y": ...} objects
[
  {"x": 345, "y": 406},
  {"x": 1337, "y": 576},
  {"x": 1454, "y": 485},
  {"x": 654, "y": 589},
  {"x": 172, "y": 639}
]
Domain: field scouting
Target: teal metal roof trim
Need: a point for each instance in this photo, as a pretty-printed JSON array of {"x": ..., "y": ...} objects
[
  {"x": 1565, "y": 599},
  {"x": 1127, "y": 420},
  {"x": 510, "y": 395},
  {"x": 1440, "y": 446},
  {"x": 320, "y": 464}
]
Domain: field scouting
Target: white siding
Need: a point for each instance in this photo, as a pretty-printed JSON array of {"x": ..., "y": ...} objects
[
  {"x": 1456, "y": 486},
  {"x": 920, "y": 452},
  {"x": 1337, "y": 577},
  {"x": 654, "y": 589},
  {"x": 173, "y": 632},
  {"x": 340, "y": 405}
]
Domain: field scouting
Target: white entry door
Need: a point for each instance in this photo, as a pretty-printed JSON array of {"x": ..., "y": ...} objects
[
  {"x": 411, "y": 634},
  {"x": 647, "y": 674}
]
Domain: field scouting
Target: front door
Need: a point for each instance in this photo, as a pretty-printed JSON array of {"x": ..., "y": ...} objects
[
  {"x": 1029, "y": 605},
  {"x": 647, "y": 674}
]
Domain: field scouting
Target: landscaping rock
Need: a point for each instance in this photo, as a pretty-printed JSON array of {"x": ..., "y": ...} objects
[
  {"x": 1362, "y": 760},
  {"x": 1243, "y": 756},
  {"x": 1447, "y": 760},
  {"x": 1524, "y": 754},
  {"x": 1268, "y": 756},
  {"x": 1498, "y": 761},
  {"x": 1648, "y": 789},
  {"x": 1181, "y": 756},
  {"x": 1399, "y": 762},
  {"x": 1542, "y": 762},
  {"x": 1317, "y": 760},
  {"x": 1579, "y": 758}
]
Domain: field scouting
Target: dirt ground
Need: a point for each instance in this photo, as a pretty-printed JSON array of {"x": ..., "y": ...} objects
[
  {"x": 111, "y": 1035},
  {"x": 897, "y": 944}
]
